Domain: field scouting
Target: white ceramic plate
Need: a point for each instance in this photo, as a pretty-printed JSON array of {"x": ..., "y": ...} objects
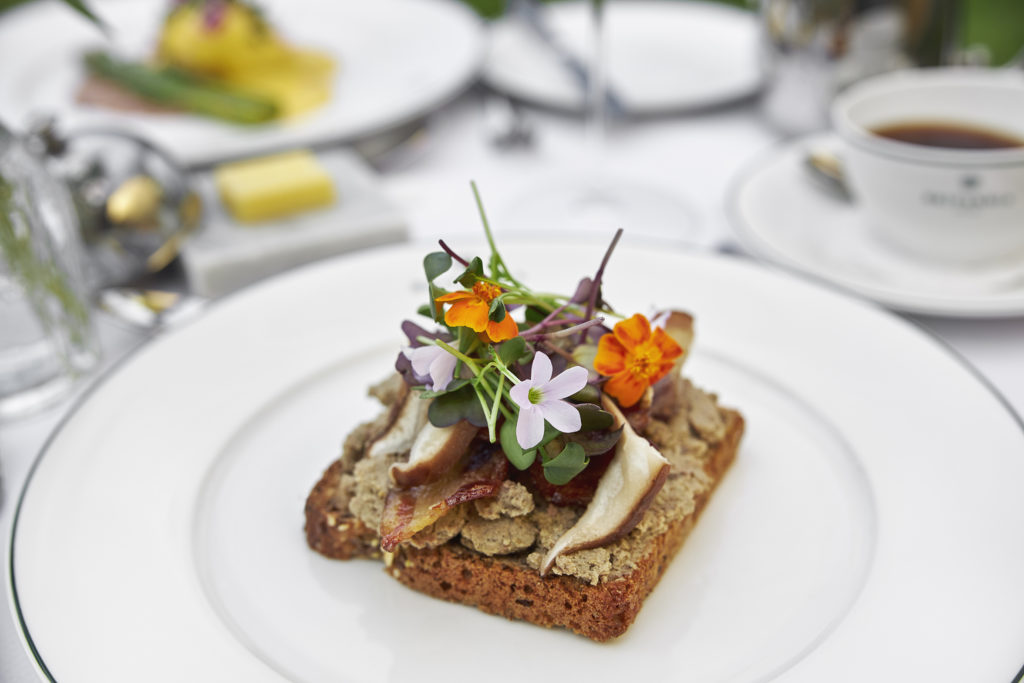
[
  {"x": 662, "y": 56},
  {"x": 782, "y": 216},
  {"x": 871, "y": 525},
  {"x": 397, "y": 61}
]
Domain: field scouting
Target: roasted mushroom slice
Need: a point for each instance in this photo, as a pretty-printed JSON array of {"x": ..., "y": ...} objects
[
  {"x": 634, "y": 476},
  {"x": 667, "y": 394},
  {"x": 407, "y": 418},
  {"x": 433, "y": 453}
]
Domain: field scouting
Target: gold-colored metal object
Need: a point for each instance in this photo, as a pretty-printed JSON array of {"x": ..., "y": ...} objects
[
  {"x": 189, "y": 213},
  {"x": 827, "y": 169},
  {"x": 135, "y": 203}
]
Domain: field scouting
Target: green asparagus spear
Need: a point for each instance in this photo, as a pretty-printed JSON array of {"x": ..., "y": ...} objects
[{"x": 175, "y": 88}]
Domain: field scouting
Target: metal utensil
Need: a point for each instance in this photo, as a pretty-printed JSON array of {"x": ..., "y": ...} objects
[
  {"x": 533, "y": 18},
  {"x": 827, "y": 171}
]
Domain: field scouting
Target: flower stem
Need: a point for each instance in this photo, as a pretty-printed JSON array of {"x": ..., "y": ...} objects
[
  {"x": 496, "y": 259},
  {"x": 470, "y": 363},
  {"x": 592, "y": 301},
  {"x": 451, "y": 253},
  {"x": 555, "y": 349},
  {"x": 570, "y": 330}
]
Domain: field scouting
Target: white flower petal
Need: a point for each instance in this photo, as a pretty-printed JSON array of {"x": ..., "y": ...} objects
[
  {"x": 529, "y": 426},
  {"x": 540, "y": 372},
  {"x": 566, "y": 384},
  {"x": 520, "y": 393},
  {"x": 562, "y": 416},
  {"x": 442, "y": 369},
  {"x": 421, "y": 358}
]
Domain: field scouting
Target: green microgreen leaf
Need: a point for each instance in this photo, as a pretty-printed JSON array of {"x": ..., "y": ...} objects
[
  {"x": 534, "y": 315},
  {"x": 560, "y": 469},
  {"x": 588, "y": 394},
  {"x": 584, "y": 354},
  {"x": 497, "y": 311},
  {"x": 425, "y": 310},
  {"x": 454, "y": 385},
  {"x": 519, "y": 458},
  {"x": 597, "y": 442},
  {"x": 512, "y": 350},
  {"x": 467, "y": 339},
  {"x": 434, "y": 311},
  {"x": 452, "y": 406},
  {"x": 474, "y": 271},
  {"x": 435, "y": 264},
  {"x": 593, "y": 418}
]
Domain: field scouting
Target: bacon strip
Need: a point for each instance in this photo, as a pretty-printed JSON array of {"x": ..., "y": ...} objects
[{"x": 406, "y": 511}]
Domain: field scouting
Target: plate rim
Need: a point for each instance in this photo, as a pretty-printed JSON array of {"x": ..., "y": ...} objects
[{"x": 395, "y": 251}]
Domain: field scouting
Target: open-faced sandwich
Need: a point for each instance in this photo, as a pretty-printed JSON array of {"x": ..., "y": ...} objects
[{"x": 540, "y": 457}]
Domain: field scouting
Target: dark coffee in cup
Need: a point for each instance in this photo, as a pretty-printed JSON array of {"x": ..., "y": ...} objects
[{"x": 950, "y": 135}]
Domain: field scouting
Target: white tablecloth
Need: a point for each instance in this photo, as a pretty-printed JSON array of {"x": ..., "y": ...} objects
[{"x": 696, "y": 155}]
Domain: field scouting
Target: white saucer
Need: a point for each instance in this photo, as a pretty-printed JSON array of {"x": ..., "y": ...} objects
[
  {"x": 662, "y": 56},
  {"x": 781, "y": 215}
]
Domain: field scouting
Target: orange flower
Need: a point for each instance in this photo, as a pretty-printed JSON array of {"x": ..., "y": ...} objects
[
  {"x": 634, "y": 357},
  {"x": 469, "y": 309}
]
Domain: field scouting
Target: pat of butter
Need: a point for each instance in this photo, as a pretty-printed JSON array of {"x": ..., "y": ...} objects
[{"x": 274, "y": 186}]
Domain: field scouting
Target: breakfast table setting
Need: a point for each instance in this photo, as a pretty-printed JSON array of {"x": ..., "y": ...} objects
[{"x": 834, "y": 191}]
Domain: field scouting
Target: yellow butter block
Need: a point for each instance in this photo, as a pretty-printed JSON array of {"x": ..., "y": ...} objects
[{"x": 274, "y": 186}]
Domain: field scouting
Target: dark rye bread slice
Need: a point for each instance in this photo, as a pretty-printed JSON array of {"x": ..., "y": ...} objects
[{"x": 504, "y": 586}]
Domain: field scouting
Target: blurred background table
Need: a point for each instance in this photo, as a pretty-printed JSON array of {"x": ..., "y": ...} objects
[{"x": 696, "y": 155}]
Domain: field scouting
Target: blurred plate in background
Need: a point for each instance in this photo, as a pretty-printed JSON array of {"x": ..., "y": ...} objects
[
  {"x": 396, "y": 61},
  {"x": 662, "y": 56}
]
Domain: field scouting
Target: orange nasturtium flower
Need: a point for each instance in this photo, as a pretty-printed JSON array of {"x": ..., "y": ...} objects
[
  {"x": 470, "y": 308},
  {"x": 634, "y": 357}
]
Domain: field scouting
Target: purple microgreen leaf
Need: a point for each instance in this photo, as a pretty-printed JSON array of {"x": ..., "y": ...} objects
[
  {"x": 413, "y": 332},
  {"x": 404, "y": 367},
  {"x": 593, "y": 418},
  {"x": 596, "y": 442},
  {"x": 582, "y": 294}
]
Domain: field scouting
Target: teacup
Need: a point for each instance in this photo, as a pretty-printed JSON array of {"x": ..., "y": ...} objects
[{"x": 915, "y": 156}]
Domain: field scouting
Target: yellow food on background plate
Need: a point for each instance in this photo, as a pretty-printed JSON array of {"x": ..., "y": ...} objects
[
  {"x": 231, "y": 42},
  {"x": 270, "y": 187}
]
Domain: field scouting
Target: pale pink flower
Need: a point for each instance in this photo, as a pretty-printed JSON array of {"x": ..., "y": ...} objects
[
  {"x": 432, "y": 365},
  {"x": 540, "y": 398}
]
